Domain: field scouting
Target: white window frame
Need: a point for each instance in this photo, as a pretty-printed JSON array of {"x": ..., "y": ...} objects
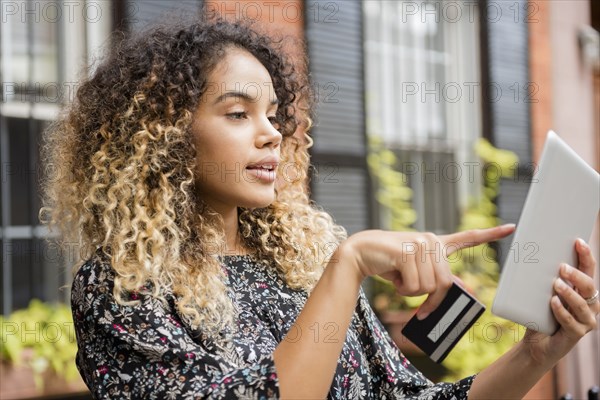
[
  {"x": 394, "y": 63},
  {"x": 75, "y": 36}
]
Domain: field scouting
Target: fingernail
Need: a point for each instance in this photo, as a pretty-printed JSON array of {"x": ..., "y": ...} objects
[
  {"x": 566, "y": 269},
  {"x": 560, "y": 285},
  {"x": 509, "y": 225},
  {"x": 582, "y": 243},
  {"x": 556, "y": 300},
  {"x": 422, "y": 315}
]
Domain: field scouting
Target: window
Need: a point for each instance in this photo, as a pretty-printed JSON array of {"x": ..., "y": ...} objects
[
  {"x": 423, "y": 98},
  {"x": 141, "y": 13},
  {"x": 44, "y": 47}
]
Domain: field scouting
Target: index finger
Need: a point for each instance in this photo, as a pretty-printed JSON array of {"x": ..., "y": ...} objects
[
  {"x": 586, "y": 260},
  {"x": 474, "y": 237}
]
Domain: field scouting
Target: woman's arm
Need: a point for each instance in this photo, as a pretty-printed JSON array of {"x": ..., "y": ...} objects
[
  {"x": 513, "y": 374},
  {"x": 305, "y": 361},
  {"x": 415, "y": 262},
  {"x": 509, "y": 377}
]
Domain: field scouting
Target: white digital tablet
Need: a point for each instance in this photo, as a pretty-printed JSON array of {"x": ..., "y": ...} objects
[{"x": 562, "y": 205}]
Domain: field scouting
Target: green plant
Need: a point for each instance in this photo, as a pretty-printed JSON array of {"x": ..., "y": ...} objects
[
  {"x": 491, "y": 336},
  {"x": 394, "y": 195},
  {"x": 477, "y": 267},
  {"x": 47, "y": 331}
]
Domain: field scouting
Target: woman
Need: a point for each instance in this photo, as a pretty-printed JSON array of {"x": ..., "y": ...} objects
[{"x": 208, "y": 272}]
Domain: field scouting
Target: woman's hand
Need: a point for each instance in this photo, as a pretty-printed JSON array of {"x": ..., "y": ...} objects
[
  {"x": 575, "y": 316},
  {"x": 514, "y": 374},
  {"x": 415, "y": 262}
]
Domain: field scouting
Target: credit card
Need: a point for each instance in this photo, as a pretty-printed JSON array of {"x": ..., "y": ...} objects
[{"x": 439, "y": 332}]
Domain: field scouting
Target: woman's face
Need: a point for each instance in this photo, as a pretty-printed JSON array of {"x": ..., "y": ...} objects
[{"x": 237, "y": 140}]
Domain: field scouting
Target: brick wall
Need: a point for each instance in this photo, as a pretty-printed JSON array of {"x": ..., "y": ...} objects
[
  {"x": 540, "y": 74},
  {"x": 284, "y": 17},
  {"x": 565, "y": 101}
]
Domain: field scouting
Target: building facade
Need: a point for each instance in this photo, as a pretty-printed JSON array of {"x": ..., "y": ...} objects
[{"x": 428, "y": 77}]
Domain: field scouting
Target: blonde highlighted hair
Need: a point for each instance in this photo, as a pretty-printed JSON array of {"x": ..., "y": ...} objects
[{"x": 126, "y": 162}]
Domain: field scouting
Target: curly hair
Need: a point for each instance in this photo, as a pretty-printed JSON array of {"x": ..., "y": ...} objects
[{"x": 126, "y": 159}]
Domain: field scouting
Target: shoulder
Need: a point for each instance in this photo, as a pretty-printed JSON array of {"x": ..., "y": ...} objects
[
  {"x": 94, "y": 301},
  {"x": 95, "y": 274},
  {"x": 92, "y": 283}
]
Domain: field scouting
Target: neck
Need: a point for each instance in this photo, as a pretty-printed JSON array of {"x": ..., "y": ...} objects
[{"x": 233, "y": 242}]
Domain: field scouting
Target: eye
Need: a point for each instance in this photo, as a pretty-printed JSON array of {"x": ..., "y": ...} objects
[
  {"x": 274, "y": 121},
  {"x": 237, "y": 115}
]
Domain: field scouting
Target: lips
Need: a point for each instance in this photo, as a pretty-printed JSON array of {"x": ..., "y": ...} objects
[
  {"x": 268, "y": 164},
  {"x": 266, "y": 167},
  {"x": 263, "y": 170}
]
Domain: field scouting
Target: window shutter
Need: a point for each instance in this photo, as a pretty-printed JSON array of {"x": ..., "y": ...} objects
[
  {"x": 508, "y": 110},
  {"x": 340, "y": 182},
  {"x": 144, "y": 12}
]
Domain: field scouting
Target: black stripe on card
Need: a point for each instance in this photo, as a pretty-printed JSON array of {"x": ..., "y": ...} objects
[{"x": 437, "y": 334}]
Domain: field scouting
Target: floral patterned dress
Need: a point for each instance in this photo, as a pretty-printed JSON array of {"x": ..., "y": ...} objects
[{"x": 147, "y": 351}]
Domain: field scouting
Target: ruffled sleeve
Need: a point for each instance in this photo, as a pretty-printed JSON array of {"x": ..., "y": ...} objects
[
  {"x": 144, "y": 351},
  {"x": 442, "y": 391},
  {"x": 401, "y": 379}
]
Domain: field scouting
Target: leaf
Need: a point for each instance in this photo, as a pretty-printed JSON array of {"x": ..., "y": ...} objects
[
  {"x": 47, "y": 329},
  {"x": 415, "y": 301}
]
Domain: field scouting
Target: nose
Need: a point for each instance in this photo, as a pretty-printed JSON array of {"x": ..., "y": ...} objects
[{"x": 268, "y": 135}]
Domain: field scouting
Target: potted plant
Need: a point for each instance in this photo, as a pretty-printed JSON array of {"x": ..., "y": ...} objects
[{"x": 37, "y": 357}]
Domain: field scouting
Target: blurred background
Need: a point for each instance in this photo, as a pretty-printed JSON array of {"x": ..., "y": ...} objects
[{"x": 431, "y": 116}]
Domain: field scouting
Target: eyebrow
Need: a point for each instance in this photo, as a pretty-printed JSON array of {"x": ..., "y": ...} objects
[{"x": 242, "y": 95}]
